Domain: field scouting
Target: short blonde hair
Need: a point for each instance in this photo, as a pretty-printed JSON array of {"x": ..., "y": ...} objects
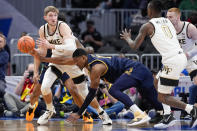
[
  {"x": 4, "y": 38},
  {"x": 50, "y": 9},
  {"x": 176, "y": 10}
]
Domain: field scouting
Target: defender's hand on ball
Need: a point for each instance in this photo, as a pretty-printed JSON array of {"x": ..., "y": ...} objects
[
  {"x": 35, "y": 53},
  {"x": 73, "y": 117}
]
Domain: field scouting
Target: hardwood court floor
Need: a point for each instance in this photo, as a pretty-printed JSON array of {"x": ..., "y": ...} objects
[{"x": 60, "y": 125}]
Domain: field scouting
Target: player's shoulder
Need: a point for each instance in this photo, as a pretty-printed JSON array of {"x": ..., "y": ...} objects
[
  {"x": 41, "y": 28},
  {"x": 191, "y": 26},
  {"x": 63, "y": 24}
]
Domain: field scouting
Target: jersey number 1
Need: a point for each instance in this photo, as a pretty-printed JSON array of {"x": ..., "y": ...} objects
[{"x": 167, "y": 31}]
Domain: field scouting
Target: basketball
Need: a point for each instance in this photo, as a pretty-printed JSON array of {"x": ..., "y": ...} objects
[{"x": 26, "y": 44}]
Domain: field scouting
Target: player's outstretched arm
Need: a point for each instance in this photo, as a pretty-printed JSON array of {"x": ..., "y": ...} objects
[
  {"x": 95, "y": 74},
  {"x": 58, "y": 60},
  {"x": 146, "y": 29}
]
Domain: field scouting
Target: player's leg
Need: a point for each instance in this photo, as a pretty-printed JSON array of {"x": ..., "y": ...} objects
[
  {"x": 33, "y": 102},
  {"x": 83, "y": 90},
  {"x": 51, "y": 74},
  {"x": 149, "y": 92},
  {"x": 34, "y": 97},
  {"x": 169, "y": 78},
  {"x": 126, "y": 81}
]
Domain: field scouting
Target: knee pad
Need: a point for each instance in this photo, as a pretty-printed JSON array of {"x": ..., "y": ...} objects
[{"x": 45, "y": 90}]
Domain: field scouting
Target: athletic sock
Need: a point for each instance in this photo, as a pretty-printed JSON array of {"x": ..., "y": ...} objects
[
  {"x": 99, "y": 110},
  {"x": 49, "y": 107},
  {"x": 166, "y": 109},
  {"x": 188, "y": 108},
  {"x": 32, "y": 106},
  {"x": 135, "y": 108}
]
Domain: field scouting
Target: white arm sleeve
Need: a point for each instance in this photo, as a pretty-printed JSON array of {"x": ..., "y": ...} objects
[
  {"x": 193, "y": 52},
  {"x": 69, "y": 45}
]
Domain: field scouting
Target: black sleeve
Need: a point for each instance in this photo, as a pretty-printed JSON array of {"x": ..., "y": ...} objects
[{"x": 89, "y": 98}]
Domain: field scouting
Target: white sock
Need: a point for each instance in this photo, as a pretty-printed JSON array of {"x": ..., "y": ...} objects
[
  {"x": 99, "y": 110},
  {"x": 135, "y": 108},
  {"x": 188, "y": 108},
  {"x": 50, "y": 106},
  {"x": 167, "y": 109},
  {"x": 31, "y": 106}
]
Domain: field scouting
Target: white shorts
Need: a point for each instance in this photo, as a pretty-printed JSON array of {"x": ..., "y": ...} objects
[
  {"x": 170, "y": 73},
  {"x": 83, "y": 89},
  {"x": 72, "y": 70},
  {"x": 192, "y": 64}
]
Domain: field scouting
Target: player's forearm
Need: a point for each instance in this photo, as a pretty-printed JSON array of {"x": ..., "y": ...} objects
[
  {"x": 79, "y": 45},
  {"x": 88, "y": 99},
  {"x": 58, "y": 60},
  {"x": 36, "y": 65},
  {"x": 131, "y": 43}
]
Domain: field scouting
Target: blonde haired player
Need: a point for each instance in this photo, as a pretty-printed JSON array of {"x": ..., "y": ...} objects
[
  {"x": 57, "y": 35},
  {"x": 187, "y": 36},
  {"x": 163, "y": 37}
]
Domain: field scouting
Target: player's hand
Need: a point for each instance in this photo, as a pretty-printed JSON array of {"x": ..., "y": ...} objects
[
  {"x": 125, "y": 34},
  {"x": 73, "y": 117},
  {"x": 35, "y": 53},
  {"x": 42, "y": 43}
]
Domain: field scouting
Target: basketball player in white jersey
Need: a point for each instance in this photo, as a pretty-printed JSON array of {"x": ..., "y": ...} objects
[
  {"x": 57, "y": 35},
  {"x": 164, "y": 39},
  {"x": 187, "y": 36}
]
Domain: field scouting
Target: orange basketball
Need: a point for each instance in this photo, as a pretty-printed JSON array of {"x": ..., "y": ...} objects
[{"x": 26, "y": 44}]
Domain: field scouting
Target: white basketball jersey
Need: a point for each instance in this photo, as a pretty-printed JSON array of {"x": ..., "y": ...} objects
[
  {"x": 164, "y": 38},
  {"x": 57, "y": 39},
  {"x": 186, "y": 43}
]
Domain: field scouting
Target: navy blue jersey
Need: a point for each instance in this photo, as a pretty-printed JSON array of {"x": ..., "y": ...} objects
[
  {"x": 117, "y": 66},
  {"x": 49, "y": 53}
]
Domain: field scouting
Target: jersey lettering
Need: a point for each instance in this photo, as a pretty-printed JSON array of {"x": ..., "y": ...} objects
[{"x": 167, "y": 31}]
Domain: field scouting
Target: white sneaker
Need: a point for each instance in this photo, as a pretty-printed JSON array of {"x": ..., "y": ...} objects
[
  {"x": 140, "y": 118},
  {"x": 105, "y": 118},
  {"x": 45, "y": 117}
]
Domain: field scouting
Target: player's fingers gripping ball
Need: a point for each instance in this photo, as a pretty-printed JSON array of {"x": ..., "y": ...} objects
[{"x": 26, "y": 44}]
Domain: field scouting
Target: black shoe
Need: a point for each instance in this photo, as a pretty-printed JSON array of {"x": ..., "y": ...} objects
[
  {"x": 156, "y": 119},
  {"x": 194, "y": 117},
  {"x": 183, "y": 114},
  {"x": 167, "y": 121}
]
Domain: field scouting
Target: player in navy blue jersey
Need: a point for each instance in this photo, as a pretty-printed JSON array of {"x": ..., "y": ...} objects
[{"x": 124, "y": 74}]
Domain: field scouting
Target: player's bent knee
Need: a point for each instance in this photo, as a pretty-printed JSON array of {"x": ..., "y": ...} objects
[{"x": 45, "y": 90}]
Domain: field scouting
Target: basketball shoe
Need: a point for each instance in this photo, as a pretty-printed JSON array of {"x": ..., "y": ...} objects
[
  {"x": 87, "y": 118},
  {"x": 30, "y": 112},
  {"x": 105, "y": 118},
  {"x": 46, "y": 116},
  {"x": 139, "y": 118},
  {"x": 194, "y": 117},
  {"x": 167, "y": 121}
]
